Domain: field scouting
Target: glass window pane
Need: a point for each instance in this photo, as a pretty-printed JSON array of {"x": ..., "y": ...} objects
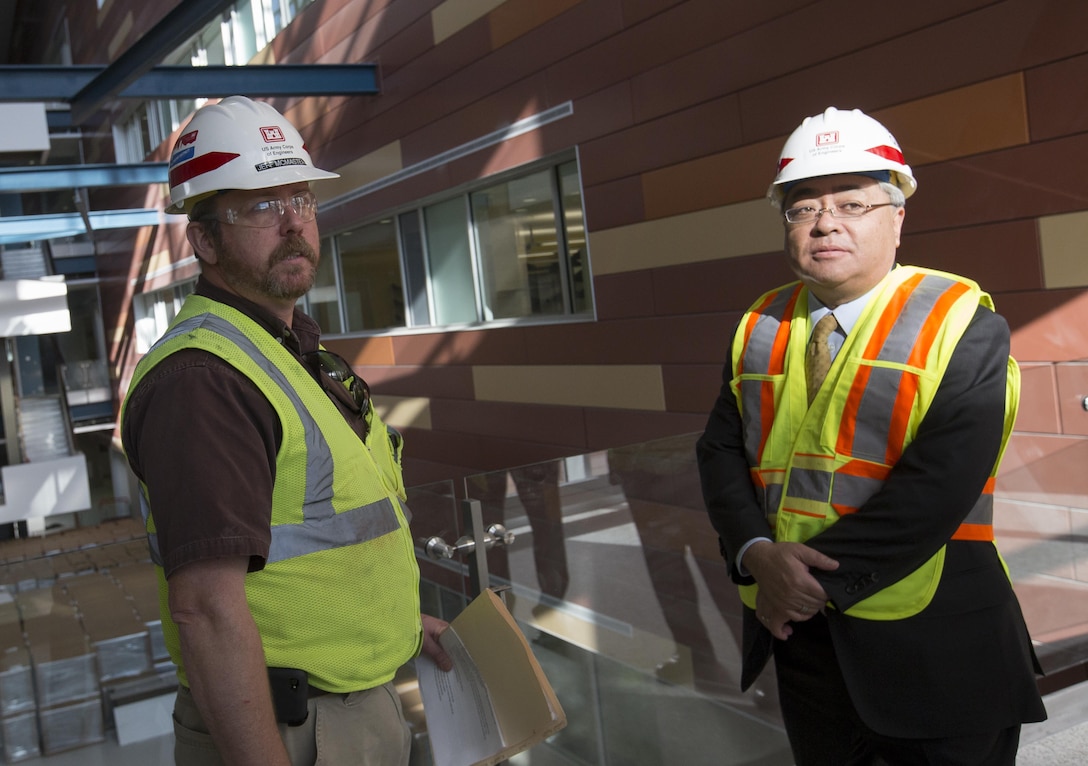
[
  {"x": 450, "y": 260},
  {"x": 411, "y": 244},
  {"x": 372, "y": 282},
  {"x": 518, "y": 250},
  {"x": 323, "y": 301},
  {"x": 574, "y": 225}
]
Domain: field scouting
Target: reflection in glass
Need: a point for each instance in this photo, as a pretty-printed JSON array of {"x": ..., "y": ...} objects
[
  {"x": 450, "y": 257},
  {"x": 323, "y": 302},
  {"x": 372, "y": 283},
  {"x": 570, "y": 196},
  {"x": 517, "y": 242}
]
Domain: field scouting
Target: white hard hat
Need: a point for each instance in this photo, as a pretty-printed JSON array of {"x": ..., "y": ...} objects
[
  {"x": 236, "y": 144},
  {"x": 841, "y": 143}
]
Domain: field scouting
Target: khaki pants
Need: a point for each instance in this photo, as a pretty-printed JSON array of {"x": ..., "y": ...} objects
[{"x": 361, "y": 728}]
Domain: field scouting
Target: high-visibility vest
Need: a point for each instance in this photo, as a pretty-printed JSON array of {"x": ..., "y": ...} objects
[
  {"x": 811, "y": 465},
  {"x": 339, "y": 594}
]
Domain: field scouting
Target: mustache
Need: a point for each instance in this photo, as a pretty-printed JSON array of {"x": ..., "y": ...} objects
[{"x": 292, "y": 247}]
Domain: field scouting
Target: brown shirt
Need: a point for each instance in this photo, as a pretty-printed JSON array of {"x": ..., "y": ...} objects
[{"x": 204, "y": 439}]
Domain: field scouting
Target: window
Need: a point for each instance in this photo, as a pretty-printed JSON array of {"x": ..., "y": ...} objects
[
  {"x": 234, "y": 38},
  {"x": 153, "y": 312},
  {"x": 511, "y": 250}
]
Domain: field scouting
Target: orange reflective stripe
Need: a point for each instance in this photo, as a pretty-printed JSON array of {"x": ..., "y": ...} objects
[
  {"x": 975, "y": 533},
  {"x": 782, "y": 337},
  {"x": 899, "y": 423},
  {"x": 766, "y": 334},
  {"x": 865, "y": 469},
  {"x": 749, "y": 326},
  {"x": 928, "y": 333}
]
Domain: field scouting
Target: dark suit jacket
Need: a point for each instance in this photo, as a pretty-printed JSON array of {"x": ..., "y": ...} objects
[{"x": 965, "y": 663}]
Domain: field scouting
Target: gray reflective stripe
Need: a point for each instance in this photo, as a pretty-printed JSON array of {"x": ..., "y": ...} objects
[
  {"x": 874, "y": 419},
  {"x": 757, "y": 361},
  {"x": 322, "y": 526},
  {"x": 757, "y": 355},
  {"x": 769, "y": 496},
  {"x": 982, "y": 512},
  {"x": 750, "y": 420},
  {"x": 152, "y": 538},
  {"x": 852, "y": 491},
  {"x": 904, "y": 333},
  {"x": 347, "y": 528},
  {"x": 877, "y": 407},
  {"x": 810, "y": 484}
]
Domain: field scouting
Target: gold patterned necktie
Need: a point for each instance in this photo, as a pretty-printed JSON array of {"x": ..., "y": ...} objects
[{"x": 818, "y": 355}]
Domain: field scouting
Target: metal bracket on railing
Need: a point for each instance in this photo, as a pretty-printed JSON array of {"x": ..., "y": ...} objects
[{"x": 496, "y": 535}]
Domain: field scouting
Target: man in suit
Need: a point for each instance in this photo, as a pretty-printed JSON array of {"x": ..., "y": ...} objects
[{"x": 849, "y": 474}]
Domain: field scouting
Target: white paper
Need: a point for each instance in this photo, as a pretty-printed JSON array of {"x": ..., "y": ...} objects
[{"x": 461, "y": 722}]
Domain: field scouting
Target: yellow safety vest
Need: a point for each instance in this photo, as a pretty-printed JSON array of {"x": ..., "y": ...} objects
[
  {"x": 811, "y": 465},
  {"x": 339, "y": 594}
]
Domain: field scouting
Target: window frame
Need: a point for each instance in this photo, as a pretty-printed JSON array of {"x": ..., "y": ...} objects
[{"x": 570, "y": 315}]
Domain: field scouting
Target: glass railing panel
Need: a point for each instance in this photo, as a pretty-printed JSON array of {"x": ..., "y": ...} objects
[
  {"x": 616, "y": 577},
  {"x": 435, "y": 513}
]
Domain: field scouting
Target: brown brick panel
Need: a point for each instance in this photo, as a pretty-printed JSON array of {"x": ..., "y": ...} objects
[
  {"x": 435, "y": 93},
  {"x": 411, "y": 97},
  {"x": 1039, "y": 411},
  {"x": 462, "y": 124},
  {"x": 712, "y": 47},
  {"x": 447, "y": 454},
  {"x": 1028, "y": 181},
  {"x": 611, "y": 428},
  {"x": 515, "y": 18},
  {"x": 405, "y": 193},
  {"x": 706, "y": 128},
  {"x": 636, "y": 11},
  {"x": 717, "y": 179},
  {"x": 1046, "y": 469},
  {"x": 1072, "y": 379},
  {"x": 694, "y": 387},
  {"x": 445, "y": 381},
  {"x": 1056, "y": 109},
  {"x": 461, "y": 453},
  {"x": 730, "y": 284},
  {"x": 557, "y": 426},
  {"x": 966, "y": 48},
  {"x": 1001, "y": 257},
  {"x": 364, "y": 351},
  {"x": 623, "y": 296},
  {"x": 495, "y": 346},
  {"x": 650, "y": 40},
  {"x": 1047, "y": 325},
  {"x": 1025, "y": 182},
  {"x": 648, "y": 340},
  {"x": 608, "y": 205},
  {"x": 320, "y": 27}
]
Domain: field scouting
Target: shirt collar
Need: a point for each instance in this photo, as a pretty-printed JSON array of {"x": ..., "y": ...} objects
[{"x": 847, "y": 314}]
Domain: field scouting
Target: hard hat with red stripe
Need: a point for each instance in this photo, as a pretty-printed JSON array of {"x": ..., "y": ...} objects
[
  {"x": 236, "y": 144},
  {"x": 839, "y": 142}
]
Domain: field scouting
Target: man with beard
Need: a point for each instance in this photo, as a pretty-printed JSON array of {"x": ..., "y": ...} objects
[{"x": 271, "y": 489}]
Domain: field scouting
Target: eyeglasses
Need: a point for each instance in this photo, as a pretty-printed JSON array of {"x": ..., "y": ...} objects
[
  {"x": 848, "y": 209},
  {"x": 265, "y": 213},
  {"x": 338, "y": 369}
]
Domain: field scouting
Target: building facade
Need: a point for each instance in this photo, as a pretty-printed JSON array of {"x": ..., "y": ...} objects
[{"x": 552, "y": 213}]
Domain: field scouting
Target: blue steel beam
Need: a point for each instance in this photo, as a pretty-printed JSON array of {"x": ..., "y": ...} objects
[
  {"x": 29, "y": 228},
  {"x": 53, "y": 83},
  {"x": 32, "y": 178},
  {"x": 181, "y": 23},
  {"x": 256, "y": 80}
]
